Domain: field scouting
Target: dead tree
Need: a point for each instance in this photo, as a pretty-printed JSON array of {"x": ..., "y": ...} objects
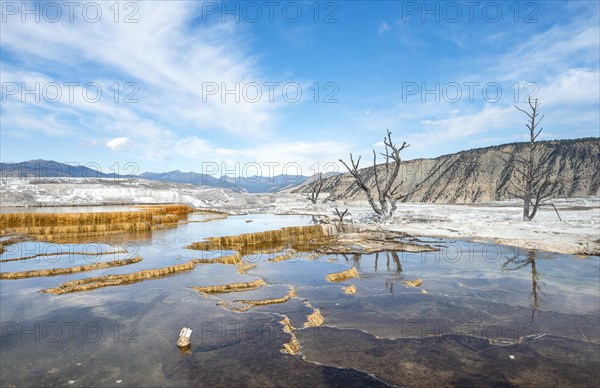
[
  {"x": 535, "y": 175},
  {"x": 384, "y": 195},
  {"x": 315, "y": 190},
  {"x": 517, "y": 262},
  {"x": 341, "y": 215}
]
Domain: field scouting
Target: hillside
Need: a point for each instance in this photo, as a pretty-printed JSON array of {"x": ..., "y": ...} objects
[{"x": 481, "y": 175}]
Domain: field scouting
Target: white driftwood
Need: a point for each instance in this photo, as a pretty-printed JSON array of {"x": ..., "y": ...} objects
[{"x": 184, "y": 337}]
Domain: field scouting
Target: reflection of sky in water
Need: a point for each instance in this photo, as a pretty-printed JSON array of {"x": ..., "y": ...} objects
[{"x": 465, "y": 284}]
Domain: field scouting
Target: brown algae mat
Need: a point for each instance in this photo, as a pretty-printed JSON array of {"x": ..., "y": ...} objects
[
  {"x": 64, "y": 225},
  {"x": 167, "y": 209},
  {"x": 47, "y": 232},
  {"x": 236, "y": 258},
  {"x": 68, "y": 270},
  {"x": 255, "y": 242},
  {"x": 413, "y": 283},
  {"x": 244, "y": 267},
  {"x": 341, "y": 276},
  {"x": 315, "y": 319},
  {"x": 231, "y": 287},
  {"x": 66, "y": 253},
  {"x": 293, "y": 346},
  {"x": 134, "y": 277},
  {"x": 321, "y": 239},
  {"x": 21, "y": 220},
  {"x": 242, "y": 305},
  {"x": 350, "y": 290},
  {"x": 289, "y": 254}
]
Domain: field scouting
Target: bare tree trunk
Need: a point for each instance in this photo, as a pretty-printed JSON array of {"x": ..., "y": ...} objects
[
  {"x": 536, "y": 182},
  {"x": 385, "y": 190},
  {"x": 526, "y": 201}
]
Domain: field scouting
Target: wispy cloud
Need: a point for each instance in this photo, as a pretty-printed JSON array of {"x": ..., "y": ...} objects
[
  {"x": 553, "y": 51},
  {"x": 291, "y": 157},
  {"x": 169, "y": 68},
  {"x": 383, "y": 28},
  {"x": 572, "y": 87}
]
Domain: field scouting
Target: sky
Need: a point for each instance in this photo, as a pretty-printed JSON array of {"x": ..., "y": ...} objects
[{"x": 267, "y": 87}]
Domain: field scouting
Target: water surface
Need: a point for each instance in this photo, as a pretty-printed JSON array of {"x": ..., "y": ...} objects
[{"x": 483, "y": 315}]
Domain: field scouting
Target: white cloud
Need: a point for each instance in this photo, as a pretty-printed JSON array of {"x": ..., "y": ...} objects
[
  {"x": 555, "y": 50},
  {"x": 383, "y": 28},
  {"x": 291, "y": 157},
  {"x": 169, "y": 68},
  {"x": 572, "y": 87},
  {"x": 118, "y": 143},
  {"x": 454, "y": 127}
]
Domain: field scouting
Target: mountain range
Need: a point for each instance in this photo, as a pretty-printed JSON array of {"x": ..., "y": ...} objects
[
  {"x": 40, "y": 168},
  {"x": 477, "y": 175},
  {"x": 253, "y": 184}
]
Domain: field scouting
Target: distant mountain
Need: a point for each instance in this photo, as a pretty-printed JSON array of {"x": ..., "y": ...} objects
[
  {"x": 481, "y": 175},
  {"x": 185, "y": 177},
  {"x": 40, "y": 168},
  {"x": 308, "y": 181},
  {"x": 253, "y": 184},
  {"x": 51, "y": 169}
]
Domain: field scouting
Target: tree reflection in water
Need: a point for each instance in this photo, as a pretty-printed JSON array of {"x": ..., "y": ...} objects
[
  {"x": 390, "y": 257},
  {"x": 389, "y": 282},
  {"x": 517, "y": 262}
]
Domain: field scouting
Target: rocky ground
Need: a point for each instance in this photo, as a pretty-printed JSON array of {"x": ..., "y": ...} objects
[{"x": 577, "y": 232}]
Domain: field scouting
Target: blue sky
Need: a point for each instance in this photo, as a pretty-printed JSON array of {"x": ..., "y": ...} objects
[{"x": 442, "y": 76}]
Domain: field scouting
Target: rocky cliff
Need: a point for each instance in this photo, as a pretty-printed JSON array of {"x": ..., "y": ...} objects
[{"x": 482, "y": 175}]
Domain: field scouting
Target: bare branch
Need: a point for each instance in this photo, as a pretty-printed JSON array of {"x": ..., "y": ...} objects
[
  {"x": 527, "y": 113},
  {"x": 385, "y": 191},
  {"x": 341, "y": 215},
  {"x": 360, "y": 182},
  {"x": 556, "y": 210},
  {"x": 313, "y": 196},
  {"x": 376, "y": 174}
]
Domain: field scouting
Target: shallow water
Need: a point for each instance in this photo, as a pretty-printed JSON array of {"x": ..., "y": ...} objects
[{"x": 479, "y": 304}]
